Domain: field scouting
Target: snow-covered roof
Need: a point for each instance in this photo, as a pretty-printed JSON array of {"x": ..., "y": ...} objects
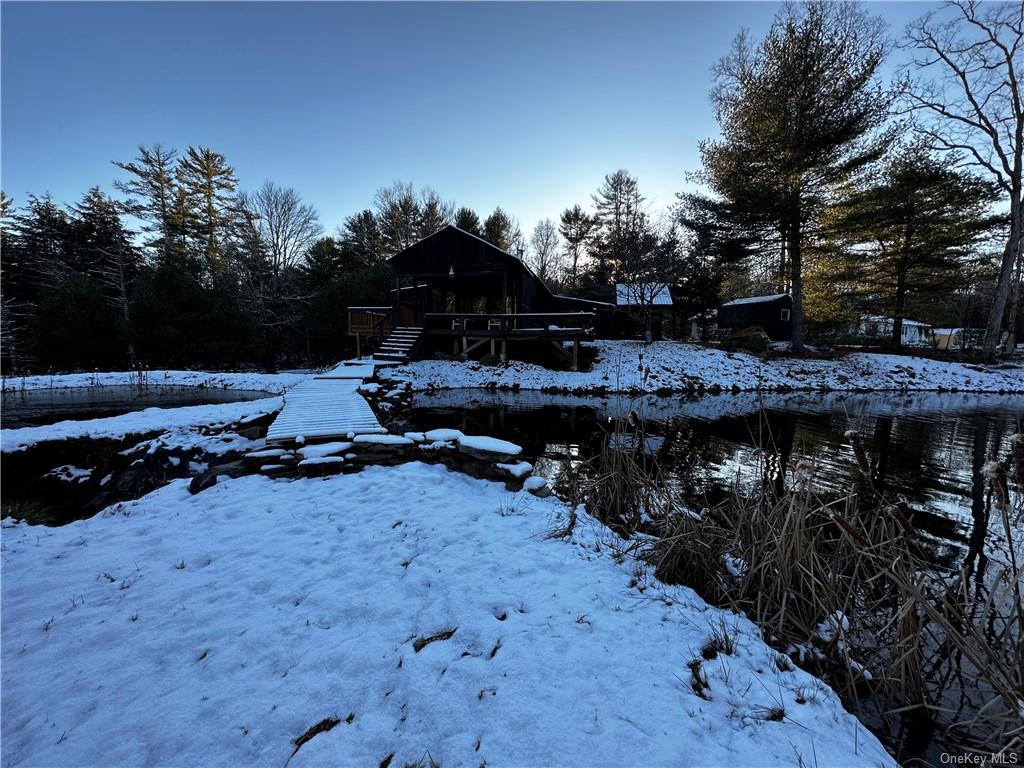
[
  {"x": 883, "y": 319},
  {"x": 755, "y": 299},
  {"x": 631, "y": 294}
]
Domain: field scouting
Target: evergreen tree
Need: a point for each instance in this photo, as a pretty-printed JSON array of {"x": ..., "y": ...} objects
[
  {"x": 799, "y": 115},
  {"x": 435, "y": 213},
  {"x": 623, "y": 236},
  {"x": 500, "y": 230},
  {"x": 153, "y": 197},
  {"x": 905, "y": 237},
  {"x": 467, "y": 220},
  {"x": 362, "y": 235},
  {"x": 713, "y": 245},
  {"x": 103, "y": 250},
  {"x": 576, "y": 228},
  {"x": 209, "y": 183}
]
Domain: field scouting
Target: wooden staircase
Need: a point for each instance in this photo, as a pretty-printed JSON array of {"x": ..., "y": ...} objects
[{"x": 398, "y": 346}]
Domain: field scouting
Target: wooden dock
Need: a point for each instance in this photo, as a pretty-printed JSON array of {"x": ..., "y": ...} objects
[{"x": 326, "y": 406}]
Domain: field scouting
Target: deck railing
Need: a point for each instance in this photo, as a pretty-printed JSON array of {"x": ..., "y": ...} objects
[
  {"x": 367, "y": 319},
  {"x": 539, "y": 323}
]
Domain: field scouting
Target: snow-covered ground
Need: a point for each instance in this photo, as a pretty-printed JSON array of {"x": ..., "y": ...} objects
[
  {"x": 179, "y": 421},
  {"x": 267, "y": 382},
  {"x": 404, "y": 611},
  {"x": 624, "y": 366}
]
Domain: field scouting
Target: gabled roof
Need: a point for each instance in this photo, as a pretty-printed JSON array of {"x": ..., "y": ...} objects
[
  {"x": 642, "y": 294},
  {"x": 755, "y": 299}
]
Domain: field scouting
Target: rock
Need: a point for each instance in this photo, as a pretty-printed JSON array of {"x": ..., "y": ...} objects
[
  {"x": 488, "y": 448},
  {"x": 538, "y": 486},
  {"x": 276, "y": 470},
  {"x": 322, "y": 466},
  {"x": 260, "y": 457},
  {"x": 209, "y": 478}
]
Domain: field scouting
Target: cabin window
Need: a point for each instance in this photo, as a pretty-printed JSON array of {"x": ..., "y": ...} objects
[{"x": 784, "y": 315}]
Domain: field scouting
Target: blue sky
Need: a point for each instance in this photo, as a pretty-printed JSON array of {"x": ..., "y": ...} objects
[{"x": 526, "y": 106}]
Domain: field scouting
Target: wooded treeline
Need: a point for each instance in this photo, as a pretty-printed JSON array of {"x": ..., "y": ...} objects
[{"x": 900, "y": 199}]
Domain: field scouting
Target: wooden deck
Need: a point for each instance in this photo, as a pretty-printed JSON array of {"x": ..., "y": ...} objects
[{"x": 326, "y": 406}]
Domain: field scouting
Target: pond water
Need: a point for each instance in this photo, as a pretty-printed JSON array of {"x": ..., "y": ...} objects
[
  {"x": 35, "y": 407},
  {"x": 928, "y": 449}
]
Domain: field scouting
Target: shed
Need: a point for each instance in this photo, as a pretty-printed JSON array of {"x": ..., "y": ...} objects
[{"x": 770, "y": 313}]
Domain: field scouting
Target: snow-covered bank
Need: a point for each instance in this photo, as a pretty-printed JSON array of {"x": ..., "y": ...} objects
[
  {"x": 406, "y": 611},
  {"x": 140, "y": 422},
  {"x": 267, "y": 382},
  {"x": 627, "y": 366}
]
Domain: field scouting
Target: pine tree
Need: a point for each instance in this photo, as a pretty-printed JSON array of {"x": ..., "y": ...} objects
[
  {"x": 906, "y": 236},
  {"x": 467, "y": 220},
  {"x": 500, "y": 230},
  {"x": 576, "y": 228},
  {"x": 103, "y": 249},
  {"x": 800, "y": 116},
  {"x": 435, "y": 213},
  {"x": 153, "y": 197},
  {"x": 362, "y": 235},
  {"x": 209, "y": 183}
]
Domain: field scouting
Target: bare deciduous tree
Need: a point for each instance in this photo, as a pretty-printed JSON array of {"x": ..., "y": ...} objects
[
  {"x": 972, "y": 108},
  {"x": 545, "y": 252},
  {"x": 275, "y": 232}
]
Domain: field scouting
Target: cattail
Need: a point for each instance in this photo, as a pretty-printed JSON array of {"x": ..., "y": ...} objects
[
  {"x": 996, "y": 473},
  {"x": 804, "y": 472},
  {"x": 898, "y": 511},
  {"x": 858, "y": 449},
  {"x": 852, "y": 532},
  {"x": 1016, "y": 458},
  {"x": 633, "y": 419}
]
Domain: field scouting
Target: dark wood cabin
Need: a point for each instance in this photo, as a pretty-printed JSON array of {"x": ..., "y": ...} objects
[
  {"x": 770, "y": 313},
  {"x": 457, "y": 285}
]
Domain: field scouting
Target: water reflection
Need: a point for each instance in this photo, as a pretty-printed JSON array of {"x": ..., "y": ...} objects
[
  {"x": 925, "y": 449},
  {"x": 35, "y": 407}
]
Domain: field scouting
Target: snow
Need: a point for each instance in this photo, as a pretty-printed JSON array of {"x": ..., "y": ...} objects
[
  {"x": 519, "y": 469},
  {"x": 621, "y": 366},
  {"x": 269, "y": 453},
  {"x": 535, "y": 483},
  {"x": 69, "y": 473},
  {"x": 381, "y": 440},
  {"x": 217, "y": 629},
  {"x": 489, "y": 445},
  {"x": 323, "y": 449},
  {"x": 138, "y": 423},
  {"x": 268, "y": 382},
  {"x": 319, "y": 460},
  {"x": 755, "y": 299},
  {"x": 443, "y": 435}
]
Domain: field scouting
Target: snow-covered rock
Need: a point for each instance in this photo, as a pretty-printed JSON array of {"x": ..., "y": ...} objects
[{"x": 488, "y": 448}]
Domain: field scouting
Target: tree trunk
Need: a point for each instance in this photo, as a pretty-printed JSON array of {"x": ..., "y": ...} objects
[
  {"x": 995, "y": 315},
  {"x": 797, "y": 315},
  {"x": 897, "y": 314},
  {"x": 1011, "y": 323}
]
